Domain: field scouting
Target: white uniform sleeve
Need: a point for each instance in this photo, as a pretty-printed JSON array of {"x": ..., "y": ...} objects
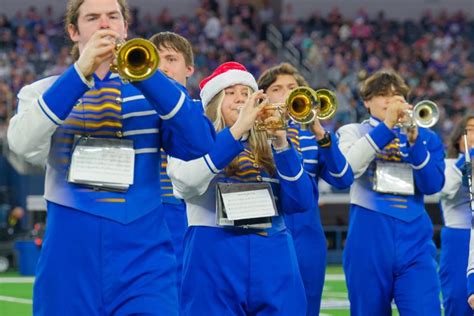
[
  {"x": 453, "y": 180},
  {"x": 189, "y": 178},
  {"x": 30, "y": 130},
  {"x": 356, "y": 147}
]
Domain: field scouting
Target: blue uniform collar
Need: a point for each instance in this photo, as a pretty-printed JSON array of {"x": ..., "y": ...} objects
[
  {"x": 374, "y": 121},
  {"x": 109, "y": 76}
]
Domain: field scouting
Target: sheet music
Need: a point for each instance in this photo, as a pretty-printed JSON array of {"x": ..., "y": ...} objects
[
  {"x": 248, "y": 204},
  {"x": 106, "y": 165},
  {"x": 395, "y": 178}
]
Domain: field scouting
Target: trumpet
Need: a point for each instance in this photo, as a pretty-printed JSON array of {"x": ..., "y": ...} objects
[
  {"x": 136, "y": 59},
  {"x": 424, "y": 114},
  {"x": 303, "y": 105}
]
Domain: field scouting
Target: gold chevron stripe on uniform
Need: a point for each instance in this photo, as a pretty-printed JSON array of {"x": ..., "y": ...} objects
[
  {"x": 102, "y": 90},
  {"x": 99, "y": 116},
  {"x": 399, "y": 206},
  {"x": 111, "y": 200},
  {"x": 86, "y": 99},
  {"x": 89, "y": 124},
  {"x": 396, "y": 200},
  {"x": 247, "y": 172},
  {"x": 98, "y": 108}
]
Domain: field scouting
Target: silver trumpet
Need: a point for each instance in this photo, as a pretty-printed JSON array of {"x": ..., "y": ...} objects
[{"x": 424, "y": 114}]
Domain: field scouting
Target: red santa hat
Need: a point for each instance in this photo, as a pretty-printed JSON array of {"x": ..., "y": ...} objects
[{"x": 226, "y": 75}]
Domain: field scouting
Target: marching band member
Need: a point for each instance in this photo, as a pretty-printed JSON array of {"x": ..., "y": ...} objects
[
  {"x": 457, "y": 223},
  {"x": 177, "y": 62},
  {"x": 389, "y": 252},
  {"x": 239, "y": 258},
  {"x": 322, "y": 159},
  {"x": 107, "y": 249}
]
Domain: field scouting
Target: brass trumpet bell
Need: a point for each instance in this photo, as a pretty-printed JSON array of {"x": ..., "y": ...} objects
[
  {"x": 328, "y": 102},
  {"x": 301, "y": 104},
  {"x": 136, "y": 59},
  {"x": 304, "y": 104}
]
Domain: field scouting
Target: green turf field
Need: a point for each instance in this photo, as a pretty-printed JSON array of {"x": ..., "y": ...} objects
[{"x": 16, "y": 293}]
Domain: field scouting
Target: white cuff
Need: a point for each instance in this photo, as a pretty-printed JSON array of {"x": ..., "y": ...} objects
[
  {"x": 50, "y": 114},
  {"x": 424, "y": 163},
  {"x": 90, "y": 83},
  {"x": 372, "y": 143},
  {"x": 210, "y": 164},
  {"x": 291, "y": 178},
  {"x": 338, "y": 175}
]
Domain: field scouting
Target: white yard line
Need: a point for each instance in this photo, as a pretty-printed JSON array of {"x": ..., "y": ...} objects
[
  {"x": 17, "y": 280},
  {"x": 335, "y": 277},
  {"x": 15, "y": 300},
  {"x": 335, "y": 304}
]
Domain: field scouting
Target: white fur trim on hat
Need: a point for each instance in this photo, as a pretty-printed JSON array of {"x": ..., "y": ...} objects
[{"x": 225, "y": 80}]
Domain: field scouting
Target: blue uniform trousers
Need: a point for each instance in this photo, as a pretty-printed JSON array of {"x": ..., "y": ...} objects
[
  {"x": 386, "y": 258},
  {"x": 311, "y": 249},
  {"x": 175, "y": 217},
  {"x": 90, "y": 265},
  {"x": 452, "y": 271},
  {"x": 227, "y": 272}
]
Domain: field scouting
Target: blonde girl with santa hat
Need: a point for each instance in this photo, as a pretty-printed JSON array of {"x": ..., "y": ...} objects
[{"x": 239, "y": 258}]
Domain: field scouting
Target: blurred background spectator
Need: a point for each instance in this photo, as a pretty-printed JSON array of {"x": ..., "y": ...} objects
[
  {"x": 10, "y": 226},
  {"x": 435, "y": 54}
]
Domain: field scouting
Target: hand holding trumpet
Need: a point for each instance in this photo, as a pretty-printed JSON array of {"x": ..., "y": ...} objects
[
  {"x": 470, "y": 301},
  {"x": 248, "y": 114},
  {"x": 397, "y": 112},
  {"x": 98, "y": 50},
  {"x": 317, "y": 129},
  {"x": 400, "y": 113}
]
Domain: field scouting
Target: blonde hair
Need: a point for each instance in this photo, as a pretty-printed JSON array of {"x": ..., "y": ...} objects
[{"x": 258, "y": 142}]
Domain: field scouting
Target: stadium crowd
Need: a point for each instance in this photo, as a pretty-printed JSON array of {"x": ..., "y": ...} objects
[{"x": 435, "y": 53}]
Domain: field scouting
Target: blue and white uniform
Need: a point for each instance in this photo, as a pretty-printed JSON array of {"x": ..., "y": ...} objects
[
  {"x": 106, "y": 252},
  {"x": 238, "y": 271},
  {"x": 455, "y": 240},
  {"x": 389, "y": 252},
  {"x": 306, "y": 228},
  {"x": 174, "y": 210}
]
